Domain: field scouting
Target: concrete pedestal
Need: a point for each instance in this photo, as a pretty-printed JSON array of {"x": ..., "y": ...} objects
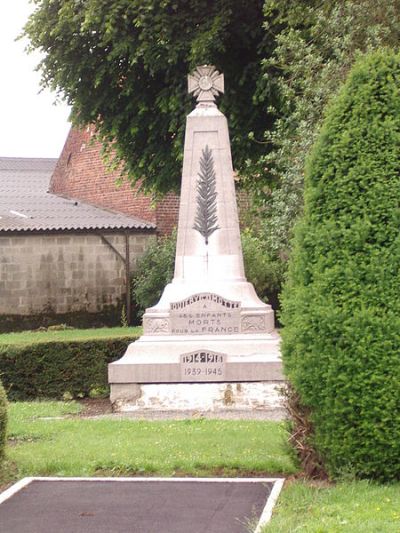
[{"x": 158, "y": 360}]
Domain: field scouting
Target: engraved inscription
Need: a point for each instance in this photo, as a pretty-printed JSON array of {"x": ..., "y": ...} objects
[
  {"x": 203, "y": 365},
  {"x": 156, "y": 326},
  {"x": 253, "y": 323},
  {"x": 205, "y": 314},
  {"x": 203, "y": 299}
]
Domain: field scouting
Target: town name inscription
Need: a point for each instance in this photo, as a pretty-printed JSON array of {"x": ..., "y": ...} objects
[{"x": 205, "y": 314}]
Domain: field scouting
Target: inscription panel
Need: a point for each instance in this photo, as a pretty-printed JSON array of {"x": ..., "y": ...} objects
[
  {"x": 205, "y": 314},
  {"x": 203, "y": 365}
]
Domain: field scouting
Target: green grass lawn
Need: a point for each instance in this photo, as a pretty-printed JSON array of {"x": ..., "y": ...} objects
[
  {"x": 353, "y": 507},
  {"x": 29, "y": 337},
  {"x": 44, "y": 442},
  {"x": 45, "y": 439}
]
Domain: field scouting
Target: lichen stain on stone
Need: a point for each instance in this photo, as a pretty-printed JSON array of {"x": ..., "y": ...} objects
[{"x": 228, "y": 396}]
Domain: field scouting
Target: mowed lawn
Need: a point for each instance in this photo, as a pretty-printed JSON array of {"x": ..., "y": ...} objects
[
  {"x": 346, "y": 507},
  {"x": 31, "y": 337},
  {"x": 46, "y": 439}
]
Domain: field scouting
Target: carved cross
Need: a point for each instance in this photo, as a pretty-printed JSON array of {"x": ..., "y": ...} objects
[{"x": 206, "y": 83}]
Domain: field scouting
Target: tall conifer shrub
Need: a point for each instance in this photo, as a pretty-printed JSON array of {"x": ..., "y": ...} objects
[{"x": 341, "y": 303}]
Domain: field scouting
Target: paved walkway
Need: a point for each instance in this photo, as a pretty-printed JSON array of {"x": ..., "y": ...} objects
[{"x": 135, "y": 506}]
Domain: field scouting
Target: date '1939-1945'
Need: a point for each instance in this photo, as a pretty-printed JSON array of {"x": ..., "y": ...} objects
[{"x": 196, "y": 371}]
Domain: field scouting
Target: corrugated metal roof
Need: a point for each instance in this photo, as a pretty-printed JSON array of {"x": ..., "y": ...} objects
[{"x": 26, "y": 204}]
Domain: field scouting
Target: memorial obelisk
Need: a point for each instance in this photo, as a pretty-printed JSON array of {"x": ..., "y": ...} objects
[{"x": 209, "y": 324}]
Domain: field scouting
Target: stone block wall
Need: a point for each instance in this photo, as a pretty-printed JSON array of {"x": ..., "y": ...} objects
[{"x": 59, "y": 274}]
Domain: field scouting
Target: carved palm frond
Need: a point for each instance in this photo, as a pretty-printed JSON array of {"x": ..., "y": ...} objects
[{"x": 205, "y": 221}]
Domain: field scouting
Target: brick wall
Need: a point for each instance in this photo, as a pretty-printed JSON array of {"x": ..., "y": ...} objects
[
  {"x": 167, "y": 213},
  {"x": 80, "y": 173},
  {"x": 64, "y": 273}
]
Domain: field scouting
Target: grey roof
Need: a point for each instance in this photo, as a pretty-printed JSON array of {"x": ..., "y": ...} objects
[{"x": 26, "y": 204}]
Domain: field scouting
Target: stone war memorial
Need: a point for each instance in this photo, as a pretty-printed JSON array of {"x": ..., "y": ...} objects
[{"x": 209, "y": 325}]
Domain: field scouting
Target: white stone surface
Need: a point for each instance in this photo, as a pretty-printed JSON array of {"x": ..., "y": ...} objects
[
  {"x": 157, "y": 359},
  {"x": 206, "y": 397},
  {"x": 216, "y": 267}
]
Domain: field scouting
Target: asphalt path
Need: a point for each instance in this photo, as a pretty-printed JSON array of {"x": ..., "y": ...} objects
[{"x": 133, "y": 506}]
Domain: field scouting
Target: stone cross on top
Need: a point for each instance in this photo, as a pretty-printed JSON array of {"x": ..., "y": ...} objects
[{"x": 206, "y": 83}]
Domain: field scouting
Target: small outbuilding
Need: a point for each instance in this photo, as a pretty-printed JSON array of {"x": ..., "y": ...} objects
[{"x": 62, "y": 260}]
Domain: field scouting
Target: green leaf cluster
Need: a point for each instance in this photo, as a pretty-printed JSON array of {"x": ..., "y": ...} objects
[
  {"x": 154, "y": 271},
  {"x": 262, "y": 270},
  {"x": 341, "y": 305},
  {"x": 61, "y": 369},
  {"x": 123, "y": 66}
]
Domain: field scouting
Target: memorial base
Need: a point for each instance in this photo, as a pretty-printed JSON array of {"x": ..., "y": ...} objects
[
  {"x": 234, "y": 359},
  {"x": 228, "y": 400}
]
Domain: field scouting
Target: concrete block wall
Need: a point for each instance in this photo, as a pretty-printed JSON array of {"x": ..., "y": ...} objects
[{"x": 64, "y": 273}]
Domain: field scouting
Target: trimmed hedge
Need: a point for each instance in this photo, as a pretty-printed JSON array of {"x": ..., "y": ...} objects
[
  {"x": 341, "y": 304},
  {"x": 3, "y": 421},
  {"x": 58, "y": 369}
]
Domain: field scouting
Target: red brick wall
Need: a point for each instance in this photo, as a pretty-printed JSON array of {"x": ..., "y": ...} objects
[
  {"x": 80, "y": 173},
  {"x": 167, "y": 213}
]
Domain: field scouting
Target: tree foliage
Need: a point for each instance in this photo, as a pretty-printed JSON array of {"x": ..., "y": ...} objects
[
  {"x": 341, "y": 304},
  {"x": 154, "y": 270},
  {"x": 316, "y": 44},
  {"x": 123, "y": 65}
]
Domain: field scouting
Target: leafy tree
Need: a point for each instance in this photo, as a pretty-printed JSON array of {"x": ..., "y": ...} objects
[
  {"x": 341, "y": 306},
  {"x": 122, "y": 65}
]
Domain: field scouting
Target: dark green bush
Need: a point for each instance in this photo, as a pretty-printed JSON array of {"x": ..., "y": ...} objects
[
  {"x": 154, "y": 270},
  {"x": 264, "y": 273},
  {"x": 58, "y": 369},
  {"x": 341, "y": 304},
  {"x": 3, "y": 421}
]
